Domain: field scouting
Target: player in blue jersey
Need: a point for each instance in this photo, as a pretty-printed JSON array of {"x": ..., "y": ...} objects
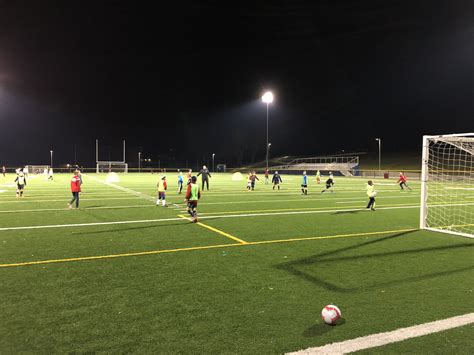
[
  {"x": 180, "y": 182},
  {"x": 304, "y": 184}
]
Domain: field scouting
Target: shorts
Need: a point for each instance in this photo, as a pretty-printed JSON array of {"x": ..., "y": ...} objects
[
  {"x": 161, "y": 195},
  {"x": 192, "y": 204},
  {"x": 21, "y": 187},
  {"x": 305, "y": 186}
]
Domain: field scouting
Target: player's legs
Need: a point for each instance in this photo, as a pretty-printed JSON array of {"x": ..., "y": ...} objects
[
  {"x": 207, "y": 184},
  {"x": 77, "y": 199},
  {"x": 180, "y": 187},
  {"x": 163, "y": 199},
  {"x": 73, "y": 199},
  {"x": 401, "y": 185}
]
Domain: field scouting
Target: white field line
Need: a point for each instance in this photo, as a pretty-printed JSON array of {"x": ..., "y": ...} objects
[
  {"x": 182, "y": 205},
  {"x": 85, "y": 208},
  {"x": 381, "y": 339},
  {"x": 265, "y": 214},
  {"x": 25, "y": 200},
  {"x": 124, "y": 189}
]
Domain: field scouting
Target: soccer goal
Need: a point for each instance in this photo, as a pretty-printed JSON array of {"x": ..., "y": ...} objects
[
  {"x": 447, "y": 190},
  {"x": 103, "y": 166},
  {"x": 111, "y": 167},
  {"x": 36, "y": 169}
]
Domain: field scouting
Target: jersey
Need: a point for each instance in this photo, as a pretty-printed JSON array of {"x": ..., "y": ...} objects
[
  {"x": 21, "y": 180},
  {"x": 402, "y": 178},
  {"x": 162, "y": 186},
  {"x": 371, "y": 191},
  {"x": 180, "y": 179},
  {"x": 304, "y": 180},
  {"x": 76, "y": 184},
  {"x": 193, "y": 193}
]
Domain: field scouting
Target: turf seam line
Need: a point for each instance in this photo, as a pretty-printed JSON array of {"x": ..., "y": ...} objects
[
  {"x": 151, "y": 252},
  {"x": 394, "y": 336}
]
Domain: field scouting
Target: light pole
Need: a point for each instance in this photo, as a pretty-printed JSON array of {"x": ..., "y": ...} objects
[
  {"x": 51, "y": 152},
  {"x": 213, "y": 155},
  {"x": 268, "y": 152},
  {"x": 268, "y": 99},
  {"x": 139, "y": 162},
  {"x": 380, "y": 150}
]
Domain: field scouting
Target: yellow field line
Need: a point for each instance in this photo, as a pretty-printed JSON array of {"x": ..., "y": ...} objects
[
  {"x": 152, "y": 252},
  {"x": 216, "y": 230}
]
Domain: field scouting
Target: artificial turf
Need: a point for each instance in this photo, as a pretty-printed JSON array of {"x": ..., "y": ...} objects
[{"x": 199, "y": 291}]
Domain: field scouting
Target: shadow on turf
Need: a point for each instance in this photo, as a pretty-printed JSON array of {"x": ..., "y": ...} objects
[
  {"x": 348, "y": 212},
  {"x": 321, "y": 328},
  {"x": 292, "y": 267},
  {"x": 130, "y": 229}
]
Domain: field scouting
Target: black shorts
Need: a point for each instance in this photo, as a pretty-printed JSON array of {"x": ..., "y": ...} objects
[
  {"x": 305, "y": 186},
  {"x": 21, "y": 187},
  {"x": 192, "y": 204}
]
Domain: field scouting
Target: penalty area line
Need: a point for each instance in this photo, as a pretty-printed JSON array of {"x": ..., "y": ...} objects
[{"x": 381, "y": 339}]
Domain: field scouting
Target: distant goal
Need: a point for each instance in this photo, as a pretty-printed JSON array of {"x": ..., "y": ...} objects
[
  {"x": 447, "y": 190},
  {"x": 111, "y": 167}
]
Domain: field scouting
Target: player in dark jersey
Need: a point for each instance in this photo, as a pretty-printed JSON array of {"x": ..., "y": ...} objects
[{"x": 276, "y": 180}]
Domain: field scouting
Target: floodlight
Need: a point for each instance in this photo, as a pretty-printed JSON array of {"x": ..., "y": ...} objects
[{"x": 267, "y": 97}]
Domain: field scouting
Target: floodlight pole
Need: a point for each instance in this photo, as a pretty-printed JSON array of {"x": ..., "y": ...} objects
[
  {"x": 267, "y": 136},
  {"x": 51, "y": 158},
  {"x": 380, "y": 151},
  {"x": 139, "y": 162},
  {"x": 213, "y": 155}
]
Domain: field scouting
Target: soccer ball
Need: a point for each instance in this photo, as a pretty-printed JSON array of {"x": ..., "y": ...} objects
[{"x": 330, "y": 314}]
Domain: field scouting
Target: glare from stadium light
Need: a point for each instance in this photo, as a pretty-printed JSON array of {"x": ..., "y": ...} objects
[{"x": 267, "y": 97}]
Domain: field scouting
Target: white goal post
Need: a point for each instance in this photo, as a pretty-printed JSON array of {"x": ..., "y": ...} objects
[
  {"x": 111, "y": 167},
  {"x": 447, "y": 184}
]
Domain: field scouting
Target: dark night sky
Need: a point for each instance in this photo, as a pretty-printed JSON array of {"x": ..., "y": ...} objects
[{"x": 185, "y": 81}]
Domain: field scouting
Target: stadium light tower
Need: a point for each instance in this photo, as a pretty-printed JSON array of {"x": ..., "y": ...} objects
[
  {"x": 213, "y": 155},
  {"x": 268, "y": 99},
  {"x": 51, "y": 152},
  {"x": 139, "y": 162},
  {"x": 380, "y": 150}
]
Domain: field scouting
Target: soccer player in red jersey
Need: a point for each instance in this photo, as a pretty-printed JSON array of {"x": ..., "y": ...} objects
[
  {"x": 402, "y": 180},
  {"x": 75, "y": 189}
]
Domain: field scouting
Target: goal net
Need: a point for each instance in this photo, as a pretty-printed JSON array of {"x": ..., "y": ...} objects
[
  {"x": 111, "y": 167},
  {"x": 447, "y": 191},
  {"x": 36, "y": 169}
]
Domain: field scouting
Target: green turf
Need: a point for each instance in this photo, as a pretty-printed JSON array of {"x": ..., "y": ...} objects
[{"x": 230, "y": 297}]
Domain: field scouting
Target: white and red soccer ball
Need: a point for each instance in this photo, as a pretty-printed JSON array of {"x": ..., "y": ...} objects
[{"x": 330, "y": 314}]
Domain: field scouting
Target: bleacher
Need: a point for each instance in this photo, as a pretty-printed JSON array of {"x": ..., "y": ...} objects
[{"x": 343, "y": 164}]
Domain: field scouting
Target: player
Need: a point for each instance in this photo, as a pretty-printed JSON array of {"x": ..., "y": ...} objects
[
  {"x": 318, "y": 177},
  {"x": 4, "y": 171},
  {"x": 45, "y": 174},
  {"x": 25, "y": 171},
  {"x": 329, "y": 183},
  {"x": 266, "y": 176},
  {"x": 162, "y": 187},
  {"x": 249, "y": 181},
  {"x": 253, "y": 177},
  {"x": 189, "y": 175},
  {"x": 276, "y": 179},
  {"x": 193, "y": 194},
  {"x": 75, "y": 189},
  {"x": 402, "y": 180},
  {"x": 205, "y": 176},
  {"x": 304, "y": 184},
  {"x": 50, "y": 174},
  {"x": 180, "y": 182},
  {"x": 371, "y": 193},
  {"x": 20, "y": 183}
]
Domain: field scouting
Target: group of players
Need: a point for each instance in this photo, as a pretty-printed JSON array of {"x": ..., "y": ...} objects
[{"x": 193, "y": 192}]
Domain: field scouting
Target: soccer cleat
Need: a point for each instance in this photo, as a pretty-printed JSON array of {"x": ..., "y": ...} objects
[
  {"x": 373, "y": 209},
  {"x": 69, "y": 205}
]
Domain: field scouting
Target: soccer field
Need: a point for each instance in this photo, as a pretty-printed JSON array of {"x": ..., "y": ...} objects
[{"x": 123, "y": 275}]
